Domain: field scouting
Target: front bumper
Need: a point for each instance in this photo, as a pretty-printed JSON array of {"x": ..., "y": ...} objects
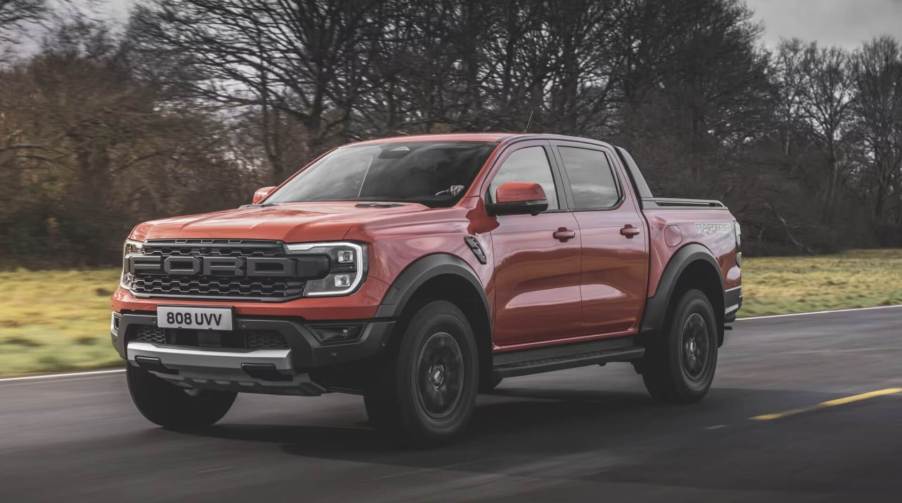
[{"x": 282, "y": 371}]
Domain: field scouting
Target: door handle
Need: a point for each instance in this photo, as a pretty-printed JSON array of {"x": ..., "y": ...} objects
[
  {"x": 564, "y": 234},
  {"x": 629, "y": 231}
]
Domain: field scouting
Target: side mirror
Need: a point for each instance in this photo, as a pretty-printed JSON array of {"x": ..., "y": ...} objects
[
  {"x": 262, "y": 194},
  {"x": 514, "y": 198}
]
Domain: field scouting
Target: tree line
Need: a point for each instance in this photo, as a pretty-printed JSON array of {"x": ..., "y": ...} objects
[{"x": 196, "y": 102}]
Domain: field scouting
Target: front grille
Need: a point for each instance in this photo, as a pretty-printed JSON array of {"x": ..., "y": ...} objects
[
  {"x": 217, "y": 287},
  {"x": 153, "y": 335},
  {"x": 264, "y": 339},
  {"x": 231, "y": 287},
  {"x": 214, "y": 248},
  {"x": 239, "y": 339}
]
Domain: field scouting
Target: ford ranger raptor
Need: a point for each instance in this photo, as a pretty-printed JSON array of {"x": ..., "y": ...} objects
[{"x": 418, "y": 271}]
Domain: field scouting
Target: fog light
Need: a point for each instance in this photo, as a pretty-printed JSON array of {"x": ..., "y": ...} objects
[
  {"x": 342, "y": 280},
  {"x": 337, "y": 334}
]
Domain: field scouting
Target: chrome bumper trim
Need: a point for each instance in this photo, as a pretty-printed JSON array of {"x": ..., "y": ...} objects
[
  {"x": 219, "y": 369},
  {"x": 181, "y": 357}
]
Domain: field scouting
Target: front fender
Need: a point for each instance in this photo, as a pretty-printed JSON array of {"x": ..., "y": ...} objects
[{"x": 400, "y": 292}]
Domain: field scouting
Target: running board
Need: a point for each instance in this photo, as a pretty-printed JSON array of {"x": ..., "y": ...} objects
[{"x": 521, "y": 368}]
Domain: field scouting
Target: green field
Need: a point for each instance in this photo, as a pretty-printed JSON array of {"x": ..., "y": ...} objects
[
  {"x": 56, "y": 320},
  {"x": 59, "y": 320},
  {"x": 858, "y": 278}
]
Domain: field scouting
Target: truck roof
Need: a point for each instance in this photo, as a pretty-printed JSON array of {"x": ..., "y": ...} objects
[{"x": 486, "y": 137}]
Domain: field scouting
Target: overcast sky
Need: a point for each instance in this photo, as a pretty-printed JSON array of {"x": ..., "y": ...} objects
[{"x": 845, "y": 23}]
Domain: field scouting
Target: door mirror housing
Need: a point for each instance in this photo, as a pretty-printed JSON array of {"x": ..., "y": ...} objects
[
  {"x": 513, "y": 198},
  {"x": 262, "y": 193}
]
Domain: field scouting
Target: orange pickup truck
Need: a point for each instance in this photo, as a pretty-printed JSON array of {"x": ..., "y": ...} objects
[{"x": 418, "y": 271}]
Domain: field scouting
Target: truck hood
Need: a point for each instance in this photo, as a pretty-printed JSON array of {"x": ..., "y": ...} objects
[{"x": 289, "y": 222}]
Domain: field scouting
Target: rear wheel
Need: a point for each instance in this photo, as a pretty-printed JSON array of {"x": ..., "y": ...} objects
[
  {"x": 679, "y": 364},
  {"x": 173, "y": 407},
  {"x": 426, "y": 393}
]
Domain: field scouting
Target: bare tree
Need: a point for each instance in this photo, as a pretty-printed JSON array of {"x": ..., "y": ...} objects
[
  {"x": 14, "y": 16},
  {"x": 826, "y": 93},
  {"x": 86, "y": 149},
  {"x": 201, "y": 98},
  {"x": 15, "y": 13},
  {"x": 290, "y": 58},
  {"x": 877, "y": 73}
]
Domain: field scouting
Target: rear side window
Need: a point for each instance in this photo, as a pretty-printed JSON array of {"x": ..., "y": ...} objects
[
  {"x": 591, "y": 178},
  {"x": 528, "y": 164}
]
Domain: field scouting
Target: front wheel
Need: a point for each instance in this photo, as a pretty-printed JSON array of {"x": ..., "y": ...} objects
[
  {"x": 426, "y": 392},
  {"x": 173, "y": 407},
  {"x": 679, "y": 364}
]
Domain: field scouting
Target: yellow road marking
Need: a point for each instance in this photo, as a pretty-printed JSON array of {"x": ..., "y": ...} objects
[{"x": 829, "y": 403}]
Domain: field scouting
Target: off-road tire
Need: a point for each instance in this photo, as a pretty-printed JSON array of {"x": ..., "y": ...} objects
[
  {"x": 679, "y": 363},
  {"x": 424, "y": 393}
]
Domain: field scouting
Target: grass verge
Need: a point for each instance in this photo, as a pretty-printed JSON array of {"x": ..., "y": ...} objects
[
  {"x": 858, "y": 278},
  {"x": 53, "y": 321}
]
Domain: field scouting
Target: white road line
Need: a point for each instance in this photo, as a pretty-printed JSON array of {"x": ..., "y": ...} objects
[
  {"x": 60, "y": 376},
  {"x": 896, "y": 306}
]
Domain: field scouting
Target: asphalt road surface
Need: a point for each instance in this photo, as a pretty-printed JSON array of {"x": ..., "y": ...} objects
[{"x": 581, "y": 434}]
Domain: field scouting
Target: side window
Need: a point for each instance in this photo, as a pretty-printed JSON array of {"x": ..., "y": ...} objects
[
  {"x": 528, "y": 164},
  {"x": 591, "y": 178}
]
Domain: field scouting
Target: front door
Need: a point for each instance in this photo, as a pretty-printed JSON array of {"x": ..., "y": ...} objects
[{"x": 537, "y": 270}]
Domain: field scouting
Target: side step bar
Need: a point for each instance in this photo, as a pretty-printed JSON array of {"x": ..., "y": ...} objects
[{"x": 520, "y": 368}]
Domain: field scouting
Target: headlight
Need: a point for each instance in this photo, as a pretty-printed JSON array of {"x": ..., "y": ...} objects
[
  {"x": 129, "y": 248},
  {"x": 347, "y": 271}
]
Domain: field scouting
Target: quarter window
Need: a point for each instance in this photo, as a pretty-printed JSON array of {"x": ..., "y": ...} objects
[
  {"x": 528, "y": 164},
  {"x": 591, "y": 178}
]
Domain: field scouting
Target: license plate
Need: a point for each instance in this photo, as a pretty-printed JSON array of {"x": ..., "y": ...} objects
[{"x": 201, "y": 318}]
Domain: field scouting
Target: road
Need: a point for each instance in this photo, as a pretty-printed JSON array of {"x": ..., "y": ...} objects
[{"x": 581, "y": 434}]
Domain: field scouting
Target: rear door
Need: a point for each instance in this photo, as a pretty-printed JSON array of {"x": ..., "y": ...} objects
[
  {"x": 613, "y": 236},
  {"x": 537, "y": 274}
]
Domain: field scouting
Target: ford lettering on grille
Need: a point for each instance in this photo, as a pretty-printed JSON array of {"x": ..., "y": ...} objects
[
  {"x": 217, "y": 266},
  {"x": 225, "y": 269}
]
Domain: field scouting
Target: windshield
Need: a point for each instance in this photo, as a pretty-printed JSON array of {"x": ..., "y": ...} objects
[{"x": 431, "y": 173}]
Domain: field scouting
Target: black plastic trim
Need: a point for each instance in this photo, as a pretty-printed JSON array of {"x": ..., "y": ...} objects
[
  {"x": 561, "y": 350},
  {"x": 264, "y": 372},
  {"x": 421, "y": 271},
  {"x": 476, "y": 248},
  {"x": 656, "y": 307},
  {"x": 731, "y": 298},
  {"x": 675, "y": 203},
  {"x": 306, "y": 351},
  {"x": 540, "y": 360},
  {"x": 153, "y": 364},
  {"x": 637, "y": 179}
]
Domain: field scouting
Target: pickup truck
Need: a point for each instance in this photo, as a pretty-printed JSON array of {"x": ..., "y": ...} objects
[{"x": 418, "y": 271}]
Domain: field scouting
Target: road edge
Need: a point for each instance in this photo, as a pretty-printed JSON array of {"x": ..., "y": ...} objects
[
  {"x": 40, "y": 377},
  {"x": 119, "y": 370},
  {"x": 827, "y": 311}
]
